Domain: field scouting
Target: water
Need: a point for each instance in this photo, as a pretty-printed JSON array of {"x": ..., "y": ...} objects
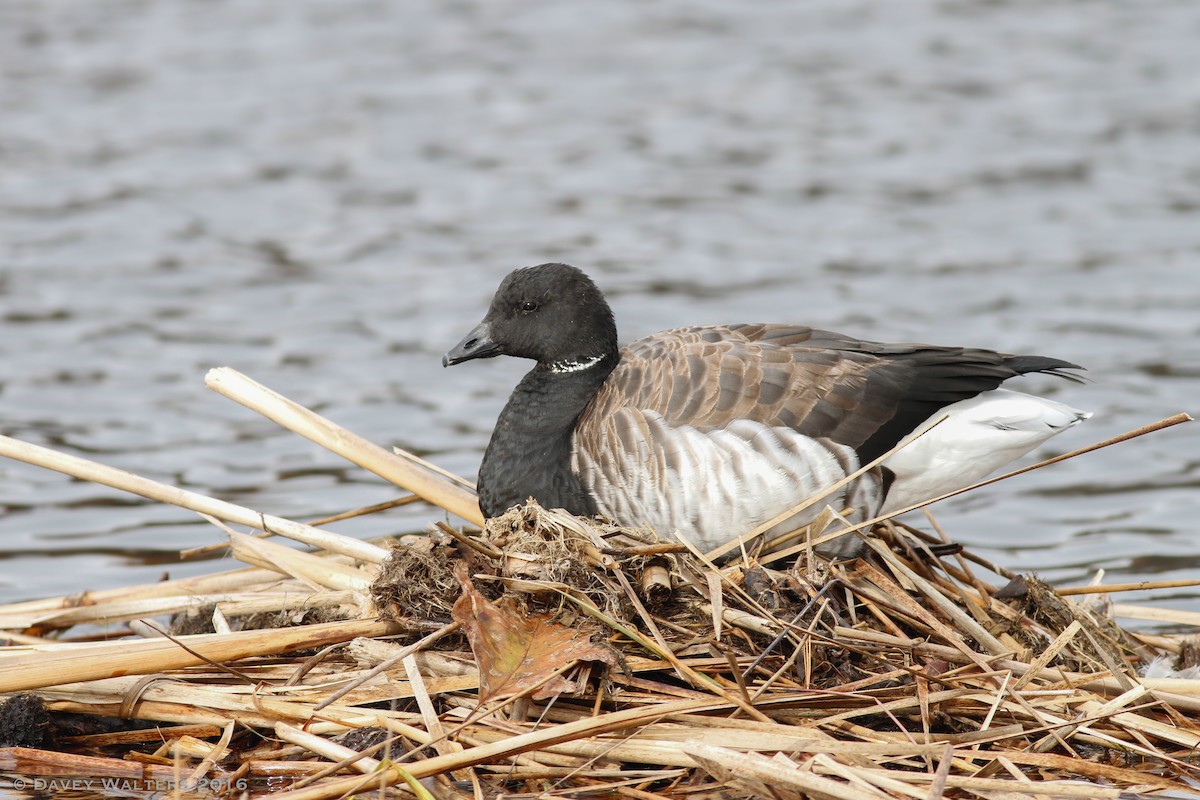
[{"x": 324, "y": 196}]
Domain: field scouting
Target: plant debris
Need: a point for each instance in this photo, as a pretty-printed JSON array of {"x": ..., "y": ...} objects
[{"x": 546, "y": 655}]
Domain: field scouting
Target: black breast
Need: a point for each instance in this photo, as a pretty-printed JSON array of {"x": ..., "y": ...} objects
[{"x": 529, "y": 454}]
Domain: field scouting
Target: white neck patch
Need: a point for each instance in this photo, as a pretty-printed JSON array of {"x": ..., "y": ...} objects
[{"x": 575, "y": 366}]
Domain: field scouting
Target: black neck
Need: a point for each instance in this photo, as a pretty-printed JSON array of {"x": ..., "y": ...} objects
[{"x": 530, "y": 451}]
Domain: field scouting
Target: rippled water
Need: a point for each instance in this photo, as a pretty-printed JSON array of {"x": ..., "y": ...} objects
[{"x": 324, "y": 196}]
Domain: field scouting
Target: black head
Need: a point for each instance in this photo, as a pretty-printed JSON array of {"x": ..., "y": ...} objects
[{"x": 551, "y": 313}]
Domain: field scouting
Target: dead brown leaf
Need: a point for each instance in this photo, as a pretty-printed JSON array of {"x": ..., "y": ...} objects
[{"x": 516, "y": 651}]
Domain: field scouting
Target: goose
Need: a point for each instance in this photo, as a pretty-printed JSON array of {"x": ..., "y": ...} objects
[{"x": 714, "y": 430}]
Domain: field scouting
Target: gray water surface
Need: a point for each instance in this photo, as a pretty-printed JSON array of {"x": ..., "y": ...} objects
[{"x": 325, "y": 195}]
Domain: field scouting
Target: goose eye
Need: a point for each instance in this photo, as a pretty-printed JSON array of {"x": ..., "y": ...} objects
[{"x": 529, "y": 306}]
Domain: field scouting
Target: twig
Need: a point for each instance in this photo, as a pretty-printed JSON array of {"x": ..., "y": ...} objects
[
  {"x": 103, "y": 474},
  {"x": 383, "y": 666},
  {"x": 1125, "y": 587},
  {"x": 403, "y": 472},
  {"x": 478, "y": 545},
  {"x": 408, "y": 499}
]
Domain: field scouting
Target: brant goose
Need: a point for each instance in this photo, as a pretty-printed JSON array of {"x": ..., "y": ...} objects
[{"x": 713, "y": 430}]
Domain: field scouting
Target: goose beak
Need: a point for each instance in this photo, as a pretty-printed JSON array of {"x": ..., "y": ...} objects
[{"x": 476, "y": 344}]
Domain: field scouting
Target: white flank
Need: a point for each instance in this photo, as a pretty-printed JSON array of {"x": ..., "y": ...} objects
[
  {"x": 715, "y": 485},
  {"x": 978, "y": 437}
]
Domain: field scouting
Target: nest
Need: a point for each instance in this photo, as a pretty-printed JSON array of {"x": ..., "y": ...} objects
[
  {"x": 542, "y": 652},
  {"x": 551, "y": 656}
]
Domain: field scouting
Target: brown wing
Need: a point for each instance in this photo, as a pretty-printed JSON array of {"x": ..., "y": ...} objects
[{"x": 821, "y": 384}]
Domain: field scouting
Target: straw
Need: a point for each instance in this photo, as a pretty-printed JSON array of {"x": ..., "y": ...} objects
[
  {"x": 405, "y": 473},
  {"x": 95, "y": 472},
  {"x": 898, "y": 675}
]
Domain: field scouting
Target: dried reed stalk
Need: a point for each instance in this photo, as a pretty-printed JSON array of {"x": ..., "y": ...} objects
[
  {"x": 95, "y": 472},
  {"x": 410, "y": 474},
  {"x": 899, "y": 676},
  {"x": 21, "y": 670}
]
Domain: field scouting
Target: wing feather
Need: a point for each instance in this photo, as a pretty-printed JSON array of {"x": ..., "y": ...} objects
[
  {"x": 818, "y": 383},
  {"x": 719, "y": 374}
]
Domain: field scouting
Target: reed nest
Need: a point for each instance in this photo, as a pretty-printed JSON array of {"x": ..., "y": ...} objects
[{"x": 544, "y": 655}]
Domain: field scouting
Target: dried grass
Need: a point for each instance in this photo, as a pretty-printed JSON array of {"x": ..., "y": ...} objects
[{"x": 905, "y": 674}]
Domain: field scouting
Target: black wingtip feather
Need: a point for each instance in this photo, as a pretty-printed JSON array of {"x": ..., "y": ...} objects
[
  {"x": 942, "y": 376},
  {"x": 1023, "y": 365}
]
